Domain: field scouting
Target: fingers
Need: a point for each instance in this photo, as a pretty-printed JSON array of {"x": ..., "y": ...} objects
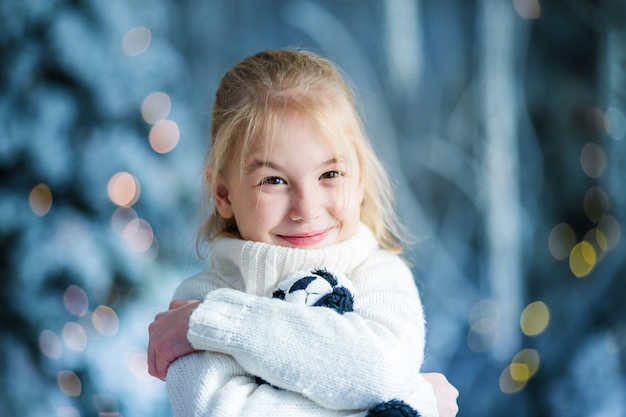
[
  {"x": 179, "y": 303},
  {"x": 168, "y": 337},
  {"x": 153, "y": 368},
  {"x": 158, "y": 361}
]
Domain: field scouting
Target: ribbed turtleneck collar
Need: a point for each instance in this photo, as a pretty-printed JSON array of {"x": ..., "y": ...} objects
[{"x": 256, "y": 267}]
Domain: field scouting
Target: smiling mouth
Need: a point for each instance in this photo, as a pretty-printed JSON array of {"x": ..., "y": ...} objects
[{"x": 308, "y": 239}]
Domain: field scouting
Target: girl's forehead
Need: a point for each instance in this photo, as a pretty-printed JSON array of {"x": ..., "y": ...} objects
[{"x": 335, "y": 142}]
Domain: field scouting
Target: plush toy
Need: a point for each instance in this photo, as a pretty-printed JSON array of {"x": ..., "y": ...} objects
[
  {"x": 321, "y": 288},
  {"x": 317, "y": 288}
]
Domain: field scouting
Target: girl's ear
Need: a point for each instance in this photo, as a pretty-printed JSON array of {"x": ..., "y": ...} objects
[
  {"x": 220, "y": 194},
  {"x": 361, "y": 190}
]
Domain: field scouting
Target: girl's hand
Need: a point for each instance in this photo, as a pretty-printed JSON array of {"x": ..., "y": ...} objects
[
  {"x": 445, "y": 392},
  {"x": 168, "y": 336}
]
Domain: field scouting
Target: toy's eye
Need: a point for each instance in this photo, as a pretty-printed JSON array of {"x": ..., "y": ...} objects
[
  {"x": 331, "y": 174},
  {"x": 273, "y": 181}
]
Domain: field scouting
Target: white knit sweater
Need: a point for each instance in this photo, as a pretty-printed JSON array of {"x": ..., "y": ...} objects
[{"x": 323, "y": 363}]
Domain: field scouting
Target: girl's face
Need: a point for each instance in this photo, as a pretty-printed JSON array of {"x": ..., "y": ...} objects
[{"x": 297, "y": 192}]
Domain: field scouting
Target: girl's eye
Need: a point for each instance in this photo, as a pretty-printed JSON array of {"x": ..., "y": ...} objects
[
  {"x": 272, "y": 181},
  {"x": 331, "y": 174}
]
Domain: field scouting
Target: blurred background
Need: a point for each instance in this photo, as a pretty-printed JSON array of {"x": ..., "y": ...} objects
[{"x": 502, "y": 122}]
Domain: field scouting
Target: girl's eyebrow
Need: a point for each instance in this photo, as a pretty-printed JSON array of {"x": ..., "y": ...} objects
[{"x": 257, "y": 164}]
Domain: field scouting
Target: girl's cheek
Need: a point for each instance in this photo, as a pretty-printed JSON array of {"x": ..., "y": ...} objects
[{"x": 338, "y": 199}]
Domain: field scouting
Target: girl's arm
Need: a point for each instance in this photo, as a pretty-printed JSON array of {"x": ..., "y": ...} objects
[
  {"x": 349, "y": 361},
  {"x": 207, "y": 384},
  {"x": 214, "y": 384}
]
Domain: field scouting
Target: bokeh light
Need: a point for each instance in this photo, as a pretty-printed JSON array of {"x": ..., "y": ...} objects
[
  {"x": 136, "y": 41},
  {"x": 40, "y": 199},
  {"x": 164, "y": 136},
  {"x": 596, "y": 204},
  {"x": 524, "y": 365},
  {"x": 609, "y": 232},
  {"x": 50, "y": 344},
  {"x": 105, "y": 321},
  {"x": 67, "y": 411},
  {"x": 121, "y": 218},
  {"x": 155, "y": 107},
  {"x": 74, "y": 337},
  {"x": 137, "y": 362},
  {"x": 508, "y": 384},
  {"x": 582, "y": 259},
  {"x": 124, "y": 189},
  {"x": 597, "y": 241},
  {"x": 527, "y": 9},
  {"x": 107, "y": 405},
  {"x": 615, "y": 123},
  {"x": 592, "y": 160},
  {"x": 75, "y": 300},
  {"x": 516, "y": 375},
  {"x": 69, "y": 383},
  {"x": 561, "y": 241},
  {"x": 139, "y": 236},
  {"x": 535, "y": 318},
  {"x": 483, "y": 320}
]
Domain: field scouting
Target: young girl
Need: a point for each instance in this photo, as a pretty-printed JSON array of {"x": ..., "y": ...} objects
[{"x": 295, "y": 185}]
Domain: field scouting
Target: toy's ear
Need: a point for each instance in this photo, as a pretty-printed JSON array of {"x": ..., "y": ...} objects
[
  {"x": 393, "y": 408},
  {"x": 221, "y": 193},
  {"x": 340, "y": 300}
]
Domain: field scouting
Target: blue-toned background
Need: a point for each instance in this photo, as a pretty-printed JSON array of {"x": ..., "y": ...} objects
[{"x": 503, "y": 123}]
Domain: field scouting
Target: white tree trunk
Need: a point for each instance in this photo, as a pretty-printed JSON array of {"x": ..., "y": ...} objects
[{"x": 499, "y": 182}]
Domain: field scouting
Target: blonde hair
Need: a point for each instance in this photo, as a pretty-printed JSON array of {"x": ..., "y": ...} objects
[{"x": 256, "y": 93}]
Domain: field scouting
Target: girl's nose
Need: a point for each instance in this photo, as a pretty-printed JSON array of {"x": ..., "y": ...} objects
[{"x": 305, "y": 205}]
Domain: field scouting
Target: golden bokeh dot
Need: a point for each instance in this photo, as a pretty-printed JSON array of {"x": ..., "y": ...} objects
[
  {"x": 535, "y": 318},
  {"x": 525, "y": 364},
  {"x": 582, "y": 259},
  {"x": 597, "y": 241},
  {"x": 40, "y": 199},
  {"x": 520, "y": 372}
]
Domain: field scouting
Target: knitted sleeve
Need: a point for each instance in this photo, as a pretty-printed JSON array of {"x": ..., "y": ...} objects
[
  {"x": 342, "y": 362},
  {"x": 215, "y": 385},
  {"x": 207, "y": 384}
]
